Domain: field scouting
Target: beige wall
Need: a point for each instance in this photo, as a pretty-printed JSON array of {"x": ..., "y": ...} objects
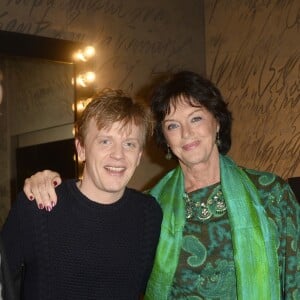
[
  {"x": 253, "y": 54},
  {"x": 134, "y": 41}
]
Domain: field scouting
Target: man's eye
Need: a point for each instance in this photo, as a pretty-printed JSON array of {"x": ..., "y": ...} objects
[
  {"x": 104, "y": 142},
  {"x": 130, "y": 145}
]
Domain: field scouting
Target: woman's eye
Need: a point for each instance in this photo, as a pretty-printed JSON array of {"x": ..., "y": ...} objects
[
  {"x": 172, "y": 126},
  {"x": 196, "y": 119}
]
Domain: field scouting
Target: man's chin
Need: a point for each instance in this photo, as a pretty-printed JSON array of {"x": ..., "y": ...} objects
[
  {"x": 116, "y": 185},
  {"x": 116, "y": 189}
]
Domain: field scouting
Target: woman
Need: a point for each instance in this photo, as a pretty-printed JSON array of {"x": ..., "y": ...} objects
[{"x": 228, "y": 232}]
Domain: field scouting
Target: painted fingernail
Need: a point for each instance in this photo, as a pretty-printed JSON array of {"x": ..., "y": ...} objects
[
  {"x": 55, "y": 183},
  {"x": 48, "y": 208},
  {"x": 30, "y": 197},
  {"x": 41, "y": 206},
  {"x": 52, "y": 203}
]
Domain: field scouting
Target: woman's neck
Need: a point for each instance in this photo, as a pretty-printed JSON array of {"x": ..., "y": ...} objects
[{"x": 201, "y": 175}]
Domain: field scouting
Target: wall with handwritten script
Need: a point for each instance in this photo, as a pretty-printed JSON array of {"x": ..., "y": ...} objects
[
  {"x": 134, "y": 41},
  {"x": 253, "y": 55}
]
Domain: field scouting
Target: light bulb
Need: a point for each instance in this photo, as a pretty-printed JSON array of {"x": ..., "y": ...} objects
[
  {"x": 80, "y": 80},
  {"x": 79, "y": 56},
  {"x": 90, "y": 76},
  {"x": 89, "y": 51},
  {"x": 80, "y": 106}
]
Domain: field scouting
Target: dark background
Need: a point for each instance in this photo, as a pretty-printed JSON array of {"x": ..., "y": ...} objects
[{"x": 57, "y": 156}]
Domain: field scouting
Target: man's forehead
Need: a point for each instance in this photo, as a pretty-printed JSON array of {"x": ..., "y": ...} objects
[{"x": 127, "y": 128}]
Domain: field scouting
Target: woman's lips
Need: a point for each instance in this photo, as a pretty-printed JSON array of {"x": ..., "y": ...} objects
[{"x": 191, "y": 146}]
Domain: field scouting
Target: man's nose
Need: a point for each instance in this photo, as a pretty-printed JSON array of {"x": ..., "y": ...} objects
[{"x": 117, "y": 151}]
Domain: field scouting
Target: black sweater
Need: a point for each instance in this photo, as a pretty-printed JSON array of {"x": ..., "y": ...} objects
[{"x": 82, "y": 249}]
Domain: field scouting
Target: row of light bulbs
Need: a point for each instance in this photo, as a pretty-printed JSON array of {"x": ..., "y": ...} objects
[
  {"x": 83, "y": 80},
  {"x": 83, "y": 55}
]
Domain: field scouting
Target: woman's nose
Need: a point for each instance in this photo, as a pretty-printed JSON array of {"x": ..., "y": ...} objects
[{"x": 186, "y": 131}]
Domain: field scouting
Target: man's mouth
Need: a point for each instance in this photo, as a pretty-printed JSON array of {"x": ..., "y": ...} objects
[{"x": 115, "y": 169}]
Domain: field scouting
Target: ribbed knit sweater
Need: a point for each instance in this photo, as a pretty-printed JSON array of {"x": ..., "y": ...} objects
[{"x": 82, "y": 249}]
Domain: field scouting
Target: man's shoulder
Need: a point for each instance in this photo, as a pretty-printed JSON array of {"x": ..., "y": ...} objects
[
  {"x": 144, "y": 198},
  {"x": 66, "y": 187},
  {"x": 140, "y": 196}
]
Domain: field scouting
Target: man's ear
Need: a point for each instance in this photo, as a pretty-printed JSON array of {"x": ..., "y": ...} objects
[{"x": 80, "y": 150}]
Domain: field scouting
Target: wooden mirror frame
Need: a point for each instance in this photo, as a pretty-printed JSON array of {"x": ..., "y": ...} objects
[
  {"x": 25, "y": 45},
  {"x": 31, "y": 46}
]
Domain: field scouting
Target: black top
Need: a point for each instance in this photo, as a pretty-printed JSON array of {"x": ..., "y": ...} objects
[
  {"x": 8, "y": 291},
  {"x": 83, "y": 249}
]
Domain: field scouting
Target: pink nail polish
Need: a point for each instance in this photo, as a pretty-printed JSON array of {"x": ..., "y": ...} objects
[
  {"x": 41, "y": 206},
  {"x": 48, "y": 208}
]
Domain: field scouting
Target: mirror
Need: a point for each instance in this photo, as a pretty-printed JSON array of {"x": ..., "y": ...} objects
[{"x": 36, "y": 117}]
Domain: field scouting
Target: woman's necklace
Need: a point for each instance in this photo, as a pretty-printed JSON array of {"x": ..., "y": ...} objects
[{"x": 215, "y": 206}]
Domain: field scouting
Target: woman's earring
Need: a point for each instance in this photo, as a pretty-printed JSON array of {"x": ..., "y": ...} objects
[
  {"x": 168, "y": 154},
  {"x": 218, "y": 141}
]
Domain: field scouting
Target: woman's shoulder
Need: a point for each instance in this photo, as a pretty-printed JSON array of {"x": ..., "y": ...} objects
[
  {"x": 272, "y": 187},
  {"x": 264, "y": 178}
]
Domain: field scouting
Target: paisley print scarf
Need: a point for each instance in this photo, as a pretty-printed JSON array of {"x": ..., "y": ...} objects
[{"x": 254, "y": 246}]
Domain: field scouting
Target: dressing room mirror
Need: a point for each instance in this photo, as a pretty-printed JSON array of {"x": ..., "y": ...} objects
[{"x": 36, "y": 116}]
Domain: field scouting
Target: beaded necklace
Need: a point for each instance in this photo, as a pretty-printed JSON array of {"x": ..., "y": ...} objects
[{"x": 215, "y": 206}]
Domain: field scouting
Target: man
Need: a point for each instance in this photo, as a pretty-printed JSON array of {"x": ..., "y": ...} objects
[
  {"x": 8, "y": 290},
  {"x": 99, "y": 241}
]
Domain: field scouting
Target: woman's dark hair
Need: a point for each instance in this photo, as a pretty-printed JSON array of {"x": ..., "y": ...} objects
[{"x": 199, "y": 91}]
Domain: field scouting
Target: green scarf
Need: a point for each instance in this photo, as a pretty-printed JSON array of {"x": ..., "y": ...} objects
[{"x": 254, "y": 246}]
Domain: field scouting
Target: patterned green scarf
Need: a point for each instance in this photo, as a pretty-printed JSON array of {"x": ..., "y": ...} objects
[{"x": 254, "y": 245}]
